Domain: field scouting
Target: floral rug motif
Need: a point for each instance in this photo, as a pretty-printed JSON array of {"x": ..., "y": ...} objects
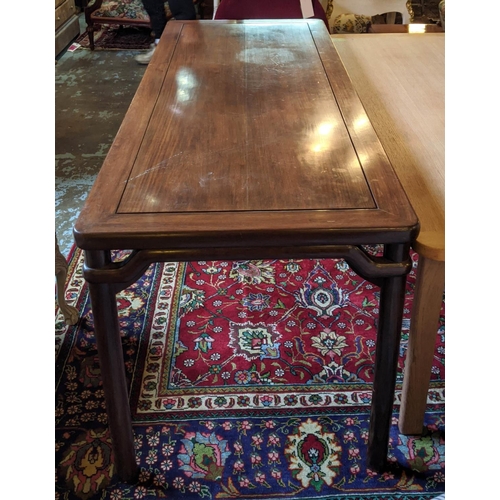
[{"x": 248, "y": 379}]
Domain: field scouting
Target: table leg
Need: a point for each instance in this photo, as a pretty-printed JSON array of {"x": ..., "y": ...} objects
[
  {"x": 109, "y": 347},
  {"x": 427, "y": 303},
  {"x": 386, "y": 361}
]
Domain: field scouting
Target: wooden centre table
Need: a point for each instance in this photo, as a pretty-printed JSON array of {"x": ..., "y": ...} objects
[
  {"x": 245, "y": 140},
  {"x": 400, "y": 81}
]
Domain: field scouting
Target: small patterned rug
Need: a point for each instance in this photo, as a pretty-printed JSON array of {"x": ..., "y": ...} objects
[
  {"x": 247, "y": 380},
  {"x": 110, "y": 37}
]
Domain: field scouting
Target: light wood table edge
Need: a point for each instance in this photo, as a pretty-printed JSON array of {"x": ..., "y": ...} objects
[{"x": 426, "y": 309}]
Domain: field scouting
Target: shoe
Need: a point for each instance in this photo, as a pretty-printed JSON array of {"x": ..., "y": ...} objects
[{"x": 146, "y": 57}]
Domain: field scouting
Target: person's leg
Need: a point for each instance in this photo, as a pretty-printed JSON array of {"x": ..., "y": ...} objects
[
  {"x": 158, "y": 19},
  {"x": 182, "y": 9},
  {"x": 157, "y": 15}
]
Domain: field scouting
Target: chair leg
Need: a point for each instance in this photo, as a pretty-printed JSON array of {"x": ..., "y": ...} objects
[
  {"x": 69, "y": 312},
  {"x": 90, "y": 34}
]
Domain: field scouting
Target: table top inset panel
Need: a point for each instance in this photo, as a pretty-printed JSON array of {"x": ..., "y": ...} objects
[{"x": 245, "y": 120}]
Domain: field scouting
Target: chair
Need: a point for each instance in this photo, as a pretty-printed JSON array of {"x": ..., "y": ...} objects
[
  {"x": 114, "y": 12},
  {"x": 265, "y": 9},
  {"x": 441, "y": 13},
  {"x": 335, "y": 8},
  {"x": 122, "y": 13}
]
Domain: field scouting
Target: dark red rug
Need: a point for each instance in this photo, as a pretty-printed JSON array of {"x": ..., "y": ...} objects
[{"x": 247, "y": 380}]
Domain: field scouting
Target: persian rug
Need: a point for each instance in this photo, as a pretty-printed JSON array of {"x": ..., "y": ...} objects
[
  {"x": 111, "y": 37},
  {"x": 247, "y": 380}
]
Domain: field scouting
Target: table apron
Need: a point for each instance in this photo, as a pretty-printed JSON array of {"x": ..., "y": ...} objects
[{"x": 124, "y": 273}]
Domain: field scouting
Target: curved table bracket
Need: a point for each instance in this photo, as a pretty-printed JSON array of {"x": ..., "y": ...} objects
[{"x": 123, "y": 273}]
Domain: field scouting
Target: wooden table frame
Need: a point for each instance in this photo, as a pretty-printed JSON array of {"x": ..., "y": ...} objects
[
  {"x": 400, "y": 81},
  {"x": 371, "y": 208}
]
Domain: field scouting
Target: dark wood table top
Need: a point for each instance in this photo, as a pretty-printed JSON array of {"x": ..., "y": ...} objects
[{"x": 245, "y": 134}]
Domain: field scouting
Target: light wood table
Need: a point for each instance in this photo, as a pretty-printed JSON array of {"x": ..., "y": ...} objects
[
  {"x": 400, "y": 81},
  {"x": 245, "y": 140}
]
